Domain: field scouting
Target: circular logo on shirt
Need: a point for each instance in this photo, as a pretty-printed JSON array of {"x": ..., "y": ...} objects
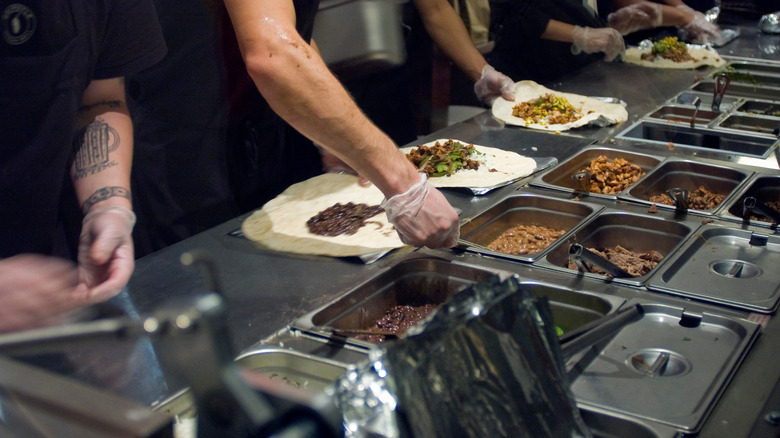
[{"x": 18, "y": 24}]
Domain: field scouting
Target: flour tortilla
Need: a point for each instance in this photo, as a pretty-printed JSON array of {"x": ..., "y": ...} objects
[
  {"x": 594, "y": 110},
  {"x": 508, "y": 166},
  {"x": 280, "y": 224},
  {"x": 702, "y": 56}
]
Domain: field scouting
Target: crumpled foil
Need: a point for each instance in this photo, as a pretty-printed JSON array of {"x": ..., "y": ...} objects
[{"x": 487, "y": 364}]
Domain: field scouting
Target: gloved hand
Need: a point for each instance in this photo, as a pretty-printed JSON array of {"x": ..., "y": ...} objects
[
  {"x": 423, "y": 217},
  {"x": 699, "y": 30},
  {"x": 106, "y": 258},
  {"x": 493, "y": 84},
  {"x": 602, "y": 39},
  {"x": 638, "y": 16},
  {"x": 37, "y": 290}
]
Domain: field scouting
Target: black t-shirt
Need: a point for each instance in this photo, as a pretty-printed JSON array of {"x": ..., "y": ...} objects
[
  {"x": 521, "y": 53},
  {"x": 49, "y": 53}
]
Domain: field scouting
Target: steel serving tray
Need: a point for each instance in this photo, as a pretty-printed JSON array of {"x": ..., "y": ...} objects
[
  {"x": 633, "y": 231},
  {"x": 561, "y": 176},
  {"x": 725, "y": 265},
  {"x": 299, "y": 370},
  {"x": 688, "y": 175},
  {"x": 524, "y": 209},
  {"x": 427, "y": 280},
  {"x": 761, "y": 186},
  {"x": 668, "y": 367}
]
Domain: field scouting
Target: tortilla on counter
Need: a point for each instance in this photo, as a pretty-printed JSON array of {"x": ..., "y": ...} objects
[
  {"x": 281, "y": 223},
  {"x": 594, "y": 111},
  {"x": 701, "y": 56},
  {"x": 497, "y": 166}
]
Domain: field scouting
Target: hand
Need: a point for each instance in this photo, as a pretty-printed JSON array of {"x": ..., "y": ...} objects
[
  {"x": 334, "y": 164},
  {"x": 423, "y": 217},
  {"x": 493, "y": 84},
  {"x": 36, "y": 290},
  {"x": 603, "y": 39},
  {"x": 106, "y": 258},
  {"x": 699, "y": 30},
  {"x": 638, "y": 16}
]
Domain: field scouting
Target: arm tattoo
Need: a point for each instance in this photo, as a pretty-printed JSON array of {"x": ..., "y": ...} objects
[
  {"x": 103, "y": 194},
  {"x": 95, "y": 144}
]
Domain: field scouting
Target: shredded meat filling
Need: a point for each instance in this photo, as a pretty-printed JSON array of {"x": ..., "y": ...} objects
[
  {"x": 525, "y": 239},
  {"x": 342, "y": 219},
  {"x": 610, "y": 177},
  {"x": 699, "y": 199},
  {"x": 636, "y": 264},
  {"x": 548, "y": 109}
]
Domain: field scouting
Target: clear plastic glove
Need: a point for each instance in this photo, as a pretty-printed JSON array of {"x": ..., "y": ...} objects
[
  {"x": 423, "y": 217},
  {"x": 602, "y": 39},
  {"x": 106, "y": 258},
  {"x": 493, "y": 84},
  {"x": 334, "y": 164},
  {"x": 699, "y": 30},
  {"x": 37, "y": 290},
  {"x": 638, "y": 16}
]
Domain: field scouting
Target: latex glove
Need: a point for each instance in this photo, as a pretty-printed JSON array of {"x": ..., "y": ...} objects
[
  {"x": 699, "y": 30},
  {"x": 423, "y": 217},
  {"x": 602, "y": 39},
  {"x": 638, "y": 16},
  {"x": 334, "y": 164},
  {"x": 493, "y": 84},
  {"x": 36, "y": 290},
  {"x": 106, "y": 258}
]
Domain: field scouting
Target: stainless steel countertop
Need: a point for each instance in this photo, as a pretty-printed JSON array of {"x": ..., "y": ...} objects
[{"x": 267, "y": 290}]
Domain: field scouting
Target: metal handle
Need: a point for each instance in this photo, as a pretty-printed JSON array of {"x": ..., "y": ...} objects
[
  {"x": 722, "y": 82},
  {"x": 580, "y": 255},
  {"x": 753, "y": 205}
]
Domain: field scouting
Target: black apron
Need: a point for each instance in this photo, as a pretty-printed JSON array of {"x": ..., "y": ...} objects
[{"x": 42, "y": 70}]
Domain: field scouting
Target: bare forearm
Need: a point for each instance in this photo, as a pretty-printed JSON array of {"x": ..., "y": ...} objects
[
  {"x": 103, "y": 148},
  {"x": 297, "y": 84},
  {"x": 451, "y": 36},
  {"x": 558, "y": 31}
]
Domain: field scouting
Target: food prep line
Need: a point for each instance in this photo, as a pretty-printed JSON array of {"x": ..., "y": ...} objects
[{"x": 270, "y": 294}]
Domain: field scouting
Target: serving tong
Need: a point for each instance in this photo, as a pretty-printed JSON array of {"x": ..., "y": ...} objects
[
  {"x": 581, "y": 256},
  {"x": 753, "y": 205},
  {"x": 680, "y": 198}
]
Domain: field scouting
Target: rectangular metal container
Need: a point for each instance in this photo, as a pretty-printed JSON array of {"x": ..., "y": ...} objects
[
  {"x": 740, "y": 90},
  {"x": 299, "y": 370},
  {"x": 762, "y": 125},
  {"x": 702, "y": 138},
  {"x": 753, "y": 67},
  {"x": 560, "y": 176},
  {"x": 764, "y": 188},
  {"x": 427, "y": 280},
  {"x": 632, "y": 231},
  {"x": 524, "y": 209},
  {"x": 759, "y": 107},
  {"x": 683, "y": 115},
  {"x": 688, "y": 175},
  {"x": 669, "y": 367},
  {"x": 723, "y": 265},
  {"x": 360, "y": 37},
  {"x": 706, "y": 100}
]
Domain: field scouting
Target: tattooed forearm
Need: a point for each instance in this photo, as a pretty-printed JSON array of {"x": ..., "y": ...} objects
[
  {"x": 103, "y": 194},
  {"x": 94, "y": 146}
]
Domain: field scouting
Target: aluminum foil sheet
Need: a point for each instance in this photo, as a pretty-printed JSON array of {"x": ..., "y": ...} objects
[{"x": 488, "y": 363}]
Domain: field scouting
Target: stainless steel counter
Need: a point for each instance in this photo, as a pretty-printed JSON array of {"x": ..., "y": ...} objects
[{"x": 267, "y": 290}]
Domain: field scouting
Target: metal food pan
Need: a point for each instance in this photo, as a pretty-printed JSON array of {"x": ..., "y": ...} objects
[
  {"x": 702, "y": 138},
  {"x": 561, "y": 176},
  {"x": 741, "y": 90},
  {"x": 727, "y": 266},
  {"x": 669, "y": 367},
  {"x": 706, "y": 100},
  {"x": 524, "y": 209},
  {"x": 683, "y": 115},
  {"x": 753, "y": 67},
  {"x": 762, "y": 187},
  {"x": 299, "y": 370},
  {"x": 688, "y": 175},
  {"x": 604, "y": 424},
  {"x": 420, "y": 281},
  {"x": 763, "y": 125},
  {"x": 760, "y": 107},
  {"x": 634, "y": 232}
]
